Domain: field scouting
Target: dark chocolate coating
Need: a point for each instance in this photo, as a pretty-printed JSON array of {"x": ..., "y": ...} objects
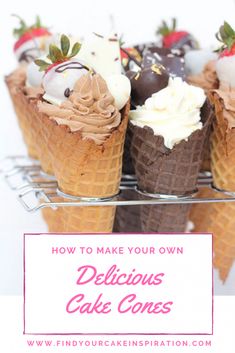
[
  {"x": 185, "y": 44},
  {"x": 174, "y": 65},
  {"x": 144, "y": 83}
]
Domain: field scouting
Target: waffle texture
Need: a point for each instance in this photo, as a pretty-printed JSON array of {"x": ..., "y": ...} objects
[
  {"x": 31, "y": 125},
  {"x": 127, "y": 218},
  {"x": 222, "y": 149},
  {"x": 218, "y": 219},
  {"x": 174, "y": 172},
  {"x": 128, "y": 167},
  {"x": 83, "y": 168},
  {"x": 22, "y": 109}
]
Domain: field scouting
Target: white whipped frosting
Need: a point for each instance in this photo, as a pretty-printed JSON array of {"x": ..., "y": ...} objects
[
  {"x": 173, "y": 112},
  {"x": 225, "y": 69}
]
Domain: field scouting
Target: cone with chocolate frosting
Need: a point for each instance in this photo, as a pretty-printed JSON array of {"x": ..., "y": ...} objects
[
  {"x": 172, "y": 171},
  {"x": 85, "y": 138}
]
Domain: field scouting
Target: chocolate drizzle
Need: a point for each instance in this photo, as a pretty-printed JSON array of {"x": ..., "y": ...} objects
[
  {"x": 73, "y": 65},
  {"x": 67, "y": 92},
  {"x": 26, "y": 56}
]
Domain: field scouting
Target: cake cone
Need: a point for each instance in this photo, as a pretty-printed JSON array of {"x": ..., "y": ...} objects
[
  {"x": 218, "y": 219},
  {"x": 164, "y": 171},
  {"x": 85, "y": 169},
  {"x": 21, "y": 106},
  {"x": 127, "y": 218},
  {"x": 29, "y": 121},
  {"x": 222, "y": 149}
]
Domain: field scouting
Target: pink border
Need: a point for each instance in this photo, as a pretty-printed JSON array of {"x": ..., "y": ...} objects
[{"x": 118, "y": 334}]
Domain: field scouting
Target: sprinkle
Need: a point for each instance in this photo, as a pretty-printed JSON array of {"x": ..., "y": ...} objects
[
  {"x": 98, "y": 35},
  {"x": 157, "y": 69},
  {"x": 92, "y": 53},
  {"x": 137, "y": 76},
  {"x": 116, "y": 59}
]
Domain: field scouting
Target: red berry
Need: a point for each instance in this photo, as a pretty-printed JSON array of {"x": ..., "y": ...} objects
[
  {"x": 170, "y": 39},
  {"x": 228, "y": 52},
  {"x": 33, "y": 33}
]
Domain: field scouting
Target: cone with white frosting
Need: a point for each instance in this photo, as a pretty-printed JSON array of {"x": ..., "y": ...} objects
[{"x": 169, "y": 170}]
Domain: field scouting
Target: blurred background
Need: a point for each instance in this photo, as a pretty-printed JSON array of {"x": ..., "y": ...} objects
[{"x": 137, "y": 22}]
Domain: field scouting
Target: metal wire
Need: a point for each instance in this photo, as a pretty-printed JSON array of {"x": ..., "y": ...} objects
[{"x": 37, "y": 190}]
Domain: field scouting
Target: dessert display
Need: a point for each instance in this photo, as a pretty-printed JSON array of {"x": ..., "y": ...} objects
[{"x": 155, "y": 114}]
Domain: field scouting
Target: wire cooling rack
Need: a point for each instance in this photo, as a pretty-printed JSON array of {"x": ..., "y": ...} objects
[{"x": 36, "y": 190}]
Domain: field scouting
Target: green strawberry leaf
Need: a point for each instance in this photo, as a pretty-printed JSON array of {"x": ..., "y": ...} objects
[
  {"x": 65, "y": 44},
  {"x": 75, "y": 50},
  {"x": 43, "y": 65},
  {"x": 55, "y": 53}
]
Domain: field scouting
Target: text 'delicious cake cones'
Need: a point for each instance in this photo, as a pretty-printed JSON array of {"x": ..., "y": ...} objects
[{"x": 164, "y": 171}]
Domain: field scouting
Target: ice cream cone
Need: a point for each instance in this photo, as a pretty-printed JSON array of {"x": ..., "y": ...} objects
[
  {"x": 29, "y": 121},
  {"x": 85, "y": 169},
  {"x": 127, "y": 218},
  {"x": 164, "y": 171},
  {"x": 53, "y": 218},
  {"x": 222, "y": 149},
  {"x": 21, "y": 106},
  {"x": 218, "y": 219}
]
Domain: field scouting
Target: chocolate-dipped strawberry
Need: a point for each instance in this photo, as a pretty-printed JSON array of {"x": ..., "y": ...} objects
[
  {"x": 226, "y": 62},
  {"x": 174, "y": 65},
  {"x": 147, "y": 81},
  {"x": 176, "y": 39},
  {"x": 62, "y": 72},
  {"x": 30, "y": 40}
]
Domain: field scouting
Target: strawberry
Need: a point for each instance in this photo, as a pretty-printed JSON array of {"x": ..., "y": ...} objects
[
  {"x": 58, "y": 55},
  {"x": 172, "y": 38},
  {"x": 25, "y": 33},
  {"x": 226, "y": 35}
]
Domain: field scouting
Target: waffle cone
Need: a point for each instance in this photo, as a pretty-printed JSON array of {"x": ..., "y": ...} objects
[
  {"x": 30, "y": 123},
  {"x": 164, "y": 171},
  {"x": 222, "y": 149},
  {"x": 218, "y": 219},
  {"x": 164, "y": 218},
  {"x": 128, "y": 167},
  {"x": 127, "y": 218},
  {"x": 53, "y": 218},
  {"x": 21, "y": 106},
  {"x": 83, "y": 168}
]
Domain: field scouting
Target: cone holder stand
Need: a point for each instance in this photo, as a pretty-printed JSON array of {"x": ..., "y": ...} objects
[{"x": 36, "y": 190}]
